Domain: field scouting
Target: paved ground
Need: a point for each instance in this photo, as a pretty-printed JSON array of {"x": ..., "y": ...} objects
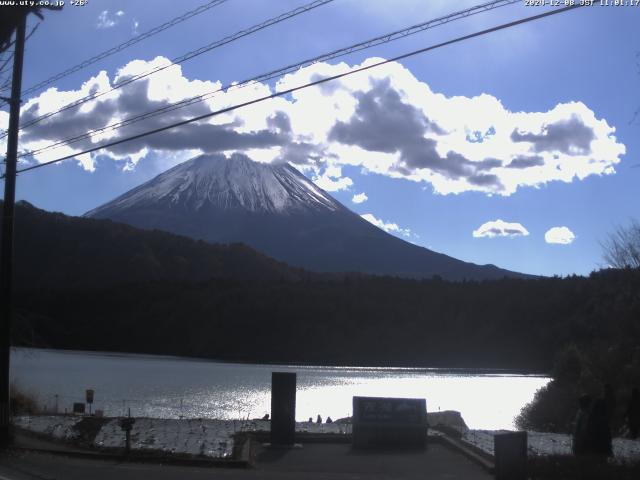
[
  {"x": 313, "y": 461},
  {"x": 340, "y": 461}
]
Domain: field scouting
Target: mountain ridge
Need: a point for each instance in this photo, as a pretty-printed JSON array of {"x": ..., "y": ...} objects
[
  {"x": 54, "y": 250},
  {"x": 282, "y": 214}
]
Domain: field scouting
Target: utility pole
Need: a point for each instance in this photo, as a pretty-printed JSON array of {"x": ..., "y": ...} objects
[{"x": 6, "y": 249}]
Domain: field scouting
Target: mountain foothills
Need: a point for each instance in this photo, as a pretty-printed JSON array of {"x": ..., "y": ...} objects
[
  {"x": 53, "y": 250},
  {"x": 98, "y": 285},
  {"x": 95, "y": 284},
  {"x": 281, "y": 213}
]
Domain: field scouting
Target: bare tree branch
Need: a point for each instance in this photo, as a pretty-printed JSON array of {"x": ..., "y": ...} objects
[{"x": 622, "y": 247}]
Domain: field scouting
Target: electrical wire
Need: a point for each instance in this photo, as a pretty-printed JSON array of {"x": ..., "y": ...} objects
[
  {"x": 124, "y": 45},
  {"x": 5, "y": 62},
  {"x": 184, "y": 58},
  {"x": 307, "y": 85},
  {"x": 6, "y": 84},
  {"x": 282, "y": 71}
]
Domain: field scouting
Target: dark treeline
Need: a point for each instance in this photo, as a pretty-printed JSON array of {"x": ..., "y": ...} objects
[
  {"x": 53, "y": 250},
  {"x": 98, "y": 285},
  {"x": 604, "y": 351},
  {"x": 515, "y": 324}
]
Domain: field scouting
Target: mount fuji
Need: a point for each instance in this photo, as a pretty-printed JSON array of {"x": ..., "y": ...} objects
[{"x": 281, "y": 213}]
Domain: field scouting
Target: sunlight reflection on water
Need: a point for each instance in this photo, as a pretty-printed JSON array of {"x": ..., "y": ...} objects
[{"x": 169, "y": 387}]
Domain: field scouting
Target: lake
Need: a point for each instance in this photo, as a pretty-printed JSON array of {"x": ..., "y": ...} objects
[{"x": 172, "y": 387}]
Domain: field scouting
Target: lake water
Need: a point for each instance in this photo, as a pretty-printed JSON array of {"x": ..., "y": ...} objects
[{"x": 171, "y": 387}]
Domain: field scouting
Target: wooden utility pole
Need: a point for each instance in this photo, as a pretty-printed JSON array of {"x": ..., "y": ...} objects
[{"x": 6, "y": 249}]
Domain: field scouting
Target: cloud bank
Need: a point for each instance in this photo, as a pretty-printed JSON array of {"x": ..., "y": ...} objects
[{"x": 383, "y": 121}]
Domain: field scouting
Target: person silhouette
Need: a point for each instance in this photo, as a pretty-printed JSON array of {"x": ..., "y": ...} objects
[
  {"x": 633, "y": 413},
  {"x": 319, "y": 419},
  {"x": 609, "y": 402},
  {"x": 580, "y": 434},
  {"x": 599, "y": 434}
]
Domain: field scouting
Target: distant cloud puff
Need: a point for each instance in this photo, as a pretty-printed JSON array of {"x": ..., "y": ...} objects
[
  {"x": 500, "y": 228},
  {"x": 388, "y": 227},
  {"x": 106, "y": 20},
  {"x": 559, "y": 235},
  {"x": 332, "y": 180},
  {"x": 360, "y": 198}
]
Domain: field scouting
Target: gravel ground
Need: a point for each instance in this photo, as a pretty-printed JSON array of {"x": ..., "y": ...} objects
[
  {"x": 212, "y": 438},
  {"x": 552, "y": 444}
]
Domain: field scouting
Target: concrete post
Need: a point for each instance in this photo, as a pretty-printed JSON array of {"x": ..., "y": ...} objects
[
  {"x": 510, "y": 452},
  {"x": 283, "y": 408}
]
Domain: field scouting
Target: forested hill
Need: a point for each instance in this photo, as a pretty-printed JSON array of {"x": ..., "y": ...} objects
[
  {"x": 97, "y": 285},
  {"x": 515, "y": 324},
  {"x": 56, "y": 250}
]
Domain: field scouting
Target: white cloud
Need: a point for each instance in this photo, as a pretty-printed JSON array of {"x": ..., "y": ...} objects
[
  {"x": 559, "y": 235},
  {"x": 333, "y": 185},
  {"x": 332, "y": 180},
  {"x": 360, "y": 198},
  {"x": 106, "y": 20},
  {"x": 383, "y": 121},
  {"x": 500, "y": 228},
  {"x": 4, "y": 124},
  {"x": 391, "y": 123},
  {"x": 388, "y": 227}
]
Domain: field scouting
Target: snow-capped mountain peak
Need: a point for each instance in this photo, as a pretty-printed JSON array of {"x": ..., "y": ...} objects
[
  {"x": 229, "y": 183},
  {"x": 279, "y": 212}
]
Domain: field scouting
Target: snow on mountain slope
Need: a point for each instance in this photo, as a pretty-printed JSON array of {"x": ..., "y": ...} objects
[
  {"x": 279, "y": 212},
  {"x": 233, "y": 183}
]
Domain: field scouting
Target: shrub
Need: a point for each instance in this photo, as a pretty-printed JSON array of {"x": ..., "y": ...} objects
[
  {"x": 552, "y": 409},
  {"x": 22, "y": 402}
]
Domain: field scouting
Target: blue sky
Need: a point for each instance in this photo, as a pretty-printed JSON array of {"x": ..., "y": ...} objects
[{"x": 544, "y": 97}]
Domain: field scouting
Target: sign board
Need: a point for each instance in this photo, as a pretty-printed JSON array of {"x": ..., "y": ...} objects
[
  {"x": 78, "y": 407},
  {"x": 389, "y": 421},
  {"x": 89, "y": 396}
]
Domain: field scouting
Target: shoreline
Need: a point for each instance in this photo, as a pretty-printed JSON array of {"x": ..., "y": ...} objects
[
  {"x": 364, "y": 368},
  {"x": 201, "y": 437},
  {"x": 216, "y": 439}
]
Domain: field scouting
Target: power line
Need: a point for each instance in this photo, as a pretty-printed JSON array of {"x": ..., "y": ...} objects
[
  {"x": 282, "y": 71},
  {"x": 187, "y": 56},
  {"x": 290, "y": 68},
  {"x": 5, "y": 81},
  {"x": 307, "y": 85},
  {"x": 127, "y": 44},
  {"x": 5, "y": 84},
  {"x": 5, "y": 62}
]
